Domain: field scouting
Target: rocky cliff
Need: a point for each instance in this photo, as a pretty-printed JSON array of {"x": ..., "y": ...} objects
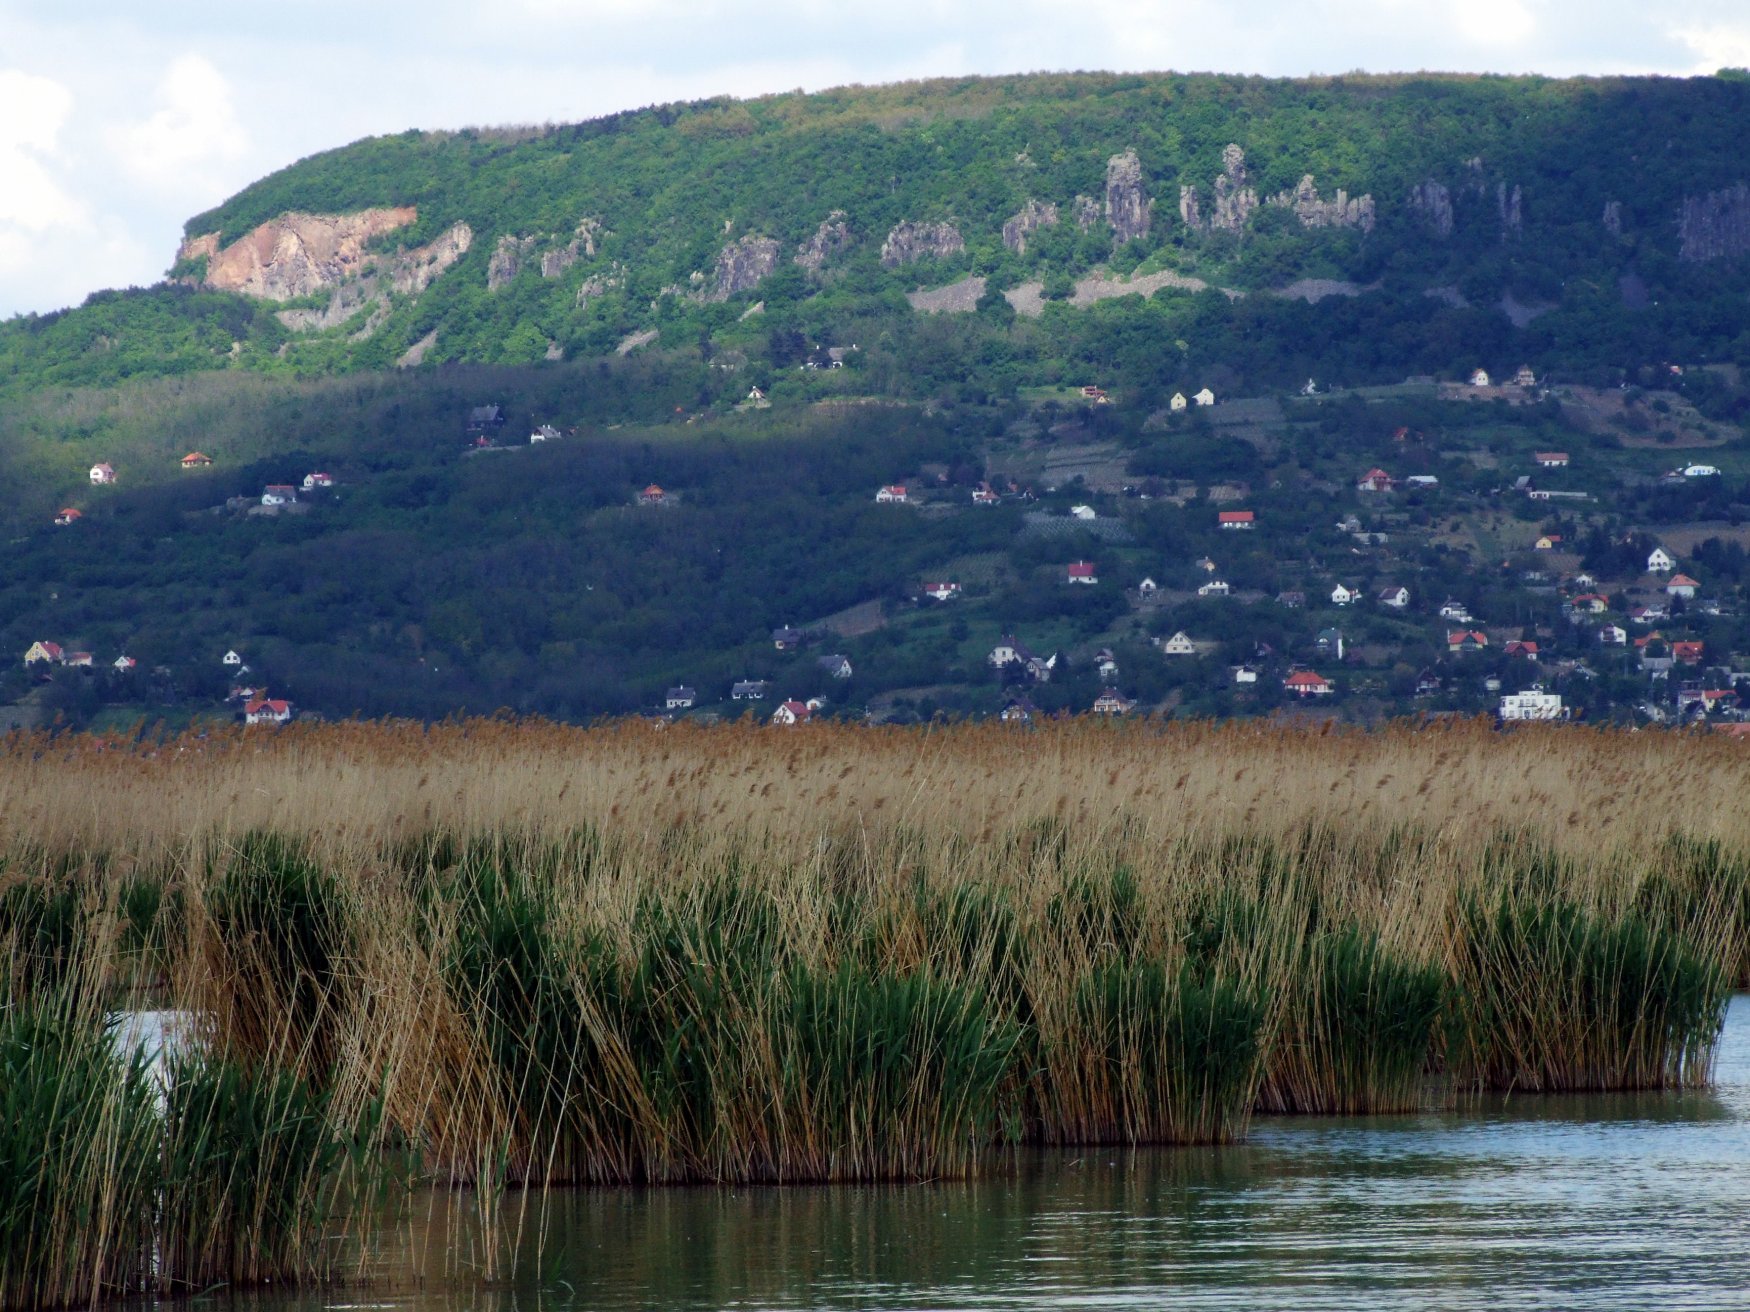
[
  {"x": 910, "y": 242},
  {"x": 1433, "y": 201},
  {"x": 295, "y": 254},
  {"x": 1128, "y": 206},
  {"x": 831, "y": 238},
  {"x": 1342, "y": 211},
  {"x": 741, "y": 266},
  {"x": 1031, "y": 219},
  {"x": 1715, "y": 226}
]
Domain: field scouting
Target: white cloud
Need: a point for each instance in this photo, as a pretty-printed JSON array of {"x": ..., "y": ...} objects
[
  {"x": 1494, "y": 22},
  {"x": 187, "y": 144},
  {"x": 1723, "y": 45},
  {"x": 33, "y": 111}
]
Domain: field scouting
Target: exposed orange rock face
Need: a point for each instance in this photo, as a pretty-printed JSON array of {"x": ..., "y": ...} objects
[{"x": 295, "y": 254}]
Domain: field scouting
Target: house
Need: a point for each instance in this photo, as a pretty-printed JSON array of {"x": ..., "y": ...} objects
[
  {"x": 267, "y": 710},
  {"x": 1293, "y": 600},
  {"x": 1105, "y": 663},
  {"x": 1304, "y": 683},
  {"x": 1456, "y": 611},
  {"x": 484, "y": 419},
  {"x": 1111, "y": 702},
  {"x": 1094, "y": 394},
  {"x": 1520, "y": 648},
  {"x": 1688, "y": 652},
  {"x": 1348, "y": 524},
  {"x": 49, "y": 653},
  {"x": 1039, "y": 668},
  {"x": 756, "y": 395},
  {"x": 545, "y": 433},
  {"x": 1480, "y": 378},
  {"x": 1548, "y": 542},
  {"x": 1083, "y": 512},
  {"x": 1342, "y": 596},
  {"x": 1466, "y": 640},
  {"x": 82, "y": 659},
  {"x": 195, "y": 460},
  {"x": 1178, "y": 402},
  {"x": 1245, "y": 674},
  {"x": 1214, "y": 588},
  {"x": 1659, "y": 561},
  {"x": 1008, "y": 651},
  {"x": 942, "y": 591},
  {"x": 1551, "y": 459},
  {"x": 748, "y": 690},
  {"x": 1018, "y": 710},
  {"x": 1375, "y": 480},
  {"x": 102, "y": 474},
  {"x": 1681, "y": 585},
  {"x": 1204, "y": 397},
  {"x": 1613, "y": 635},
  {"x": 1179, "y": 644},
  {"x": 1205, "y": 564},
  {"x": 1700, "y": 471},
  {"x": 1523, "y": 377},
  {"x": 786, "y": 638},
  {"x": 892, "y": 495},
  {"x": 1235, "y": 519},
  {"x": 68, "y": 516},
  {"x": 1427, "y": 683},
  {"x": 1646, "y": 614},
  {"x": 1082, "y": 571},
  {"x": 652, "y": 496},
  {"x": 1329, "y": 643},
  {"x": 317, "y": 480},
  {"x": 231, "y": 660},
  {"x": 122, "y": 664},
  {"x": 792, "y": 712},
  {"x": 1396, "y": 598},
  {"x": 983, "y": 496},
  {"x": 278, "y": 494},
  {"x": 837, "y": 665},
  {"x": 1422, "y": 480},
  {"x": 1148, "y": 587},
  {"x": 680, "y": 698},
  {"x": 1590, "y": 603},
  {"x": 1532, "y": 704}
]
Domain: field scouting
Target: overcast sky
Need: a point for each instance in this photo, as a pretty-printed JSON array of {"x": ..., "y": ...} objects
[{"x": 121, "y": 118}]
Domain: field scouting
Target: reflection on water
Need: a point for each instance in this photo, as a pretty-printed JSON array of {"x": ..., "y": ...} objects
[{"x": 1630, "y": 1201}]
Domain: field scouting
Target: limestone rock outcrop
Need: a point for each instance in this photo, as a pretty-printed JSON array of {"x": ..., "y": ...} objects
[
  {"x": 910, "y": 242},
  {"x": 296, "y": 254},
  {"x": 507, "y": 259},
  {"x": 582, "y": 244},
  {"x": 1234, "y": 197},
  {"x": 1033, "y": 216},
  {"x": 831, "y": 238},
  {"x": 1087, "y": 212},
  {"x": 1508, "y": 203},
  {"x": 1128, "y": 206},
  {"x": 1433, "y": 201},
  {"x": 1342, "y": 211},
  {"x": 1714, "y": 226},
  {"x": 741, "y": 266}
]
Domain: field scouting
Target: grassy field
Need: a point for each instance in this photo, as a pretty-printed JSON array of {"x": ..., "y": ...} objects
[{"x": 498, "y": 953}]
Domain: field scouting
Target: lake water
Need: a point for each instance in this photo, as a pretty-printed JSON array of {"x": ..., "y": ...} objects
[{"x": 1596, "y": 1202}]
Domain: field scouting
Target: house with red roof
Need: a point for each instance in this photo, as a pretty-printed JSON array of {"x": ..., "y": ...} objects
[
  {"x": 1375, "y": 480},
  {"x": 892, "y": 494},
  {"x": 1681, "y": 585},
  {"x": 267, "y": 710},
  {"x": 1688, "y": 651},
  {"x": 1112, "y": 702},
  {"x": 1551, "y": 459},
  {"x": 1465, "y": 640},
  {"x": 942, "y": 590},
  {"x": 652, "y": 496},
  {"x": 49, "y": 653},
  {"x": 196, "y": 460},
  {"x": 1235, "y": 519},
  {"x": 68, "y": 516},
  {"x": 1082, "y": 571},
  {"x": 1304, "y": 683},
  {"x": 317, "y": 479},
  {"x": 1525, "y": 649},
  {"x": 792, "y": 713}
]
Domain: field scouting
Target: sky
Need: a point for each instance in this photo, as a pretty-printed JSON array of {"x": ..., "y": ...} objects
[{"x": 119, "y": 119}]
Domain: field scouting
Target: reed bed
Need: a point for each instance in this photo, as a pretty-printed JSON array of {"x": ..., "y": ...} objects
[{"x": 511, "y": 954}]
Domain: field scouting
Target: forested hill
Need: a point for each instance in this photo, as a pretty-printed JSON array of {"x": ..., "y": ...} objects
[{"x": 1358, "y": 226}]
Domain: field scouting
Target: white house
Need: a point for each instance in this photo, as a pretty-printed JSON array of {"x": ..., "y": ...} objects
[
  {"x": 748, "y": 690},
  {"x": 267, "y": 710},
  {"x": 1532, "y": 704},
  {"x": 1456, "y": 611},
  {"x": 892, "y": 494},
  {"x": 122, "y": 664},
  {"x": 1105, "y": 663},
  {"x": 1008, "y": 649},
  {"x": 1083, "y": 512},
  {"x": 1214, "y": 588},
  {"x": 102, "y": 474},
  {"x": 231, "y": 659},
  {"x": 1204, "y": 397},
  {"x": 1112, "y": 702},
  {"x": 1342, "y": 596},
  {"x": 1245, "y": 674},
  {"x": 1082, "y": 571},
  {"x": 836, "y": 666},
  {"x": 1551, "y": 459},
  {"x": 1305, "y": 683},
  {"x": 680, "y": 699},
  {"x": 1178, "y": 402},
  {"x": 1700, "y": 471},
  {"x": 1613, "y": 635},
  {"x": 791, "y": 712},
  {"x": 1422, "y": 480},
  {"x": 1396, "y": 598},
  {"x": 1480, "y": 378},
  {"x": 1179, "y": 644},
  {"x": 942, "y": 590},
  {"x": 278, "y": 494},
  {"x": 317, "y": 479},
  {"x": 1148, "y": 587},
  {"x": 545, "y": 433},
  {"x": 1659, "y": 561},
  {"x": 1681, "y": 585}
]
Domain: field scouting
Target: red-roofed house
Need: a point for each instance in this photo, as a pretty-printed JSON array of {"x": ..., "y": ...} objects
[
  {"x": 1552, "y": 459},
  {"x": 83, "y": 659},
  {"x": 652, "y": 496},
  {"x": 1525, "y": 649},
  {"x": 1304, "y": 683},
  {"x": 892, "y": 494},
  {"x": 983, "y": 496},
  {"x": 317, "y": 479},
  {"x": 942, "y": 591},
  {"x": 267, "y": 710},
  {"x": 1681, "y": 585},
  {"x": 1548, "y": 542},
  {"x": 1082, "y": 572},
  {"x": 1237, "y": 519},
  {"x": 1689, "y": 651},
  {"x": 1590, "y": 603},
  {"x": 48, "y": 652},
  {"x": 68, "y": 516},
  {"x": 1112, "y": 702},
  {"x": 1461, "y": 640},
  {"x": 1375, "y": 480},
  {"x": 791, "y": 713},
  {"x": 195, "y": 460}
]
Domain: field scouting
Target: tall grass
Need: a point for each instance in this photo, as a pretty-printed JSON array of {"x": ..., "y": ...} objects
[{"x": 536, "y": 956}]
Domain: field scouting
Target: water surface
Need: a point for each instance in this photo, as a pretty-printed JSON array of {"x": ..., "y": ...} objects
[{"x": 1597, "y": 1202}]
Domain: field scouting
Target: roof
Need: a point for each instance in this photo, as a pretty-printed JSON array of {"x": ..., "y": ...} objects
[
  {"x": 486, "y": 414},
  {"x": 1681, "y": 581},
  {"x": 276, "y": 705},
  {"x": 1305, "y": 679},
  {"x": 1551, "y": 455},
  {"x": 681, "y": 691},
  {"x": 1082, "y": 569},
  {"x": 652, "y": 491},
  {"x": 1234, "y": 516},
  {"x": 195, "y": 455}
]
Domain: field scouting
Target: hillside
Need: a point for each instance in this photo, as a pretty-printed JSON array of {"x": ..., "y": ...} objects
[{"x": 1007, "y": 295}]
